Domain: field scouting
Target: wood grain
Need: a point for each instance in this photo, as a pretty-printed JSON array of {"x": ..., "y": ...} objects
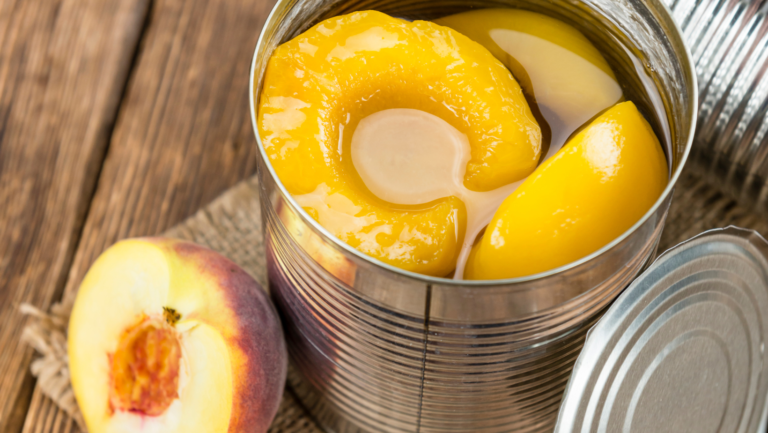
[
  {"x": 183, "y": 135},
  {"x": 63, "y": 69}
]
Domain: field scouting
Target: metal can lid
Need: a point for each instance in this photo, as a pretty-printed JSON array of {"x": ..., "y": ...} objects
[{"x": 683, "y": 348}]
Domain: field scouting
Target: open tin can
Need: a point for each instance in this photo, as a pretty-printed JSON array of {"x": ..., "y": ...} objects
[{"x": 382, "y": 349}]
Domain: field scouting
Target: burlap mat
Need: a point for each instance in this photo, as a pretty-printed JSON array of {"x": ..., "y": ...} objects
[{"x": 231, "y": 225}]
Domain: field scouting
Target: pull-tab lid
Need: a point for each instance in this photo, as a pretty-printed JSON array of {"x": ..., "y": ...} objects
[{"x": 683, "y": 348}]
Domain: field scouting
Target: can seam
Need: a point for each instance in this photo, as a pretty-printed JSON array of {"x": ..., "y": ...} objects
[{"x": 427, "y": 307}]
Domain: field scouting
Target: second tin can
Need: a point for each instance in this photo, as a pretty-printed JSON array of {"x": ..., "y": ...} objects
[{"x": 729, "y": 46}]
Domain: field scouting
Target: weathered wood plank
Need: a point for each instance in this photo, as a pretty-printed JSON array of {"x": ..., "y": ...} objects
[
  {"x": 63, "y": 68},
  {"x": 183, "y": 134}
]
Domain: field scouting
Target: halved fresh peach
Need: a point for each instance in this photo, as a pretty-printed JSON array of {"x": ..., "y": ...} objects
[{"x": 167, "y": 336}]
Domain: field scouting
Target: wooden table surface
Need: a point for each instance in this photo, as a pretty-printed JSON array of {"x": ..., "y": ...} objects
[{"x": 118, "y": 118}]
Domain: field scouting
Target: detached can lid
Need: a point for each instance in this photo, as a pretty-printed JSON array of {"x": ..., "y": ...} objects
[{"x": 683, "y": 348}]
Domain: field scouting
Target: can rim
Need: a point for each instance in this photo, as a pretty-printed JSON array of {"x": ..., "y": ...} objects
[{"x": 338, "y": 243}]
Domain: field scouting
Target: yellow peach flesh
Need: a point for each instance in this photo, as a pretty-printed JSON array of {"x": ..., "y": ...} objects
[
  {"x": 594, "y": 189},
  {"x": 319, "y": 86}
]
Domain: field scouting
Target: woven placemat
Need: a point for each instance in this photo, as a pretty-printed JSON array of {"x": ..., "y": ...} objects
[{"x": 231, "y": 225}]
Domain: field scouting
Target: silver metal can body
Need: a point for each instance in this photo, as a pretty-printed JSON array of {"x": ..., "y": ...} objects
[
  {"x": 728, "y": 40},
  {"x": 381, "y": 349}
]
